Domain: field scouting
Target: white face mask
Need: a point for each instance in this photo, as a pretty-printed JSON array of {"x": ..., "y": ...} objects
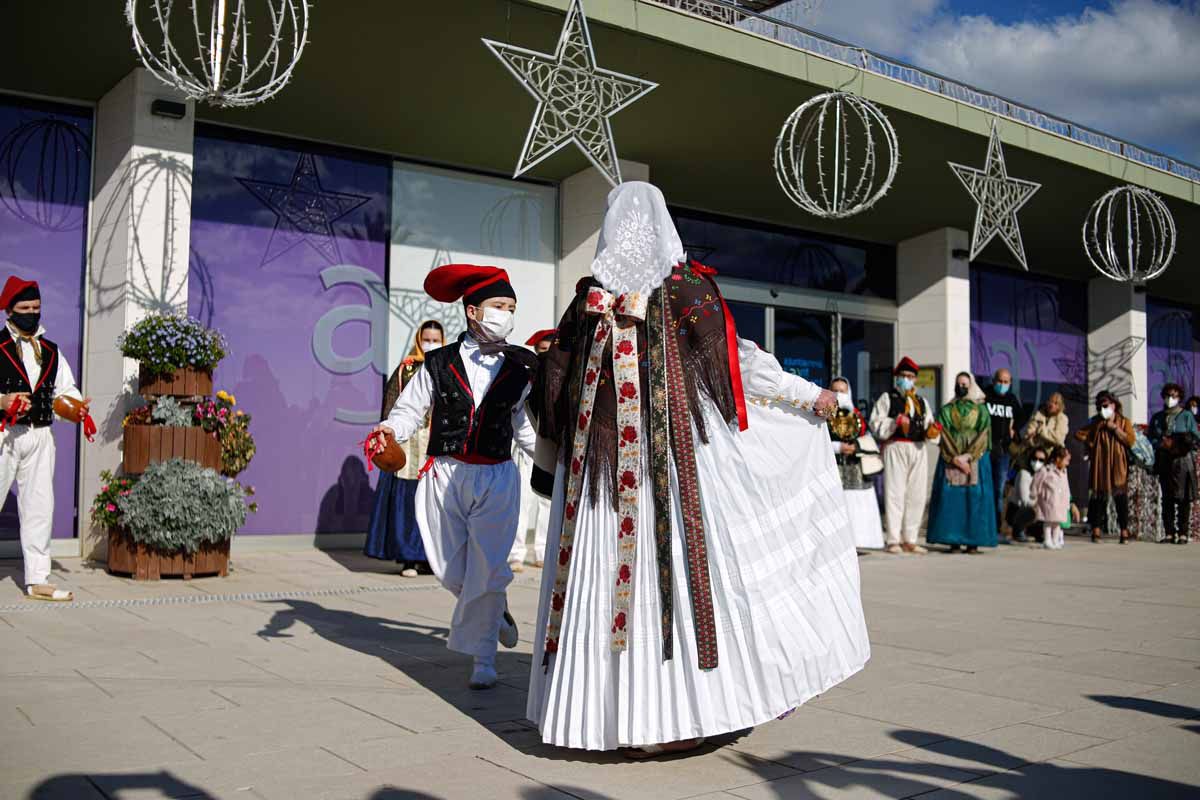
[
  {"x": 496, "y": 325},
  {"x": 1107, "y": 412},
  {"x": 1036, "y": 465},
  {"x": 429, "y": 348},
  {"x": 1172, "y": 402}
]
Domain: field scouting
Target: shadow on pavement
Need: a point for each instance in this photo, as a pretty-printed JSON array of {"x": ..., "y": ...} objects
[
  {"x": 416, "y": 650},
  {"x": 1146, "y": 706},
  {"x": 117, "y": 786}
]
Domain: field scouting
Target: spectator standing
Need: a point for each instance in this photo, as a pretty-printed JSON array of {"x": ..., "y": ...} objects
[
  {"x": 1004, "y": 407},
  {"x": 1193, "y": 405},
  {"x": 851, "y": 444},
  {"x": 1052, "y": 493},
  {"x": 1049, "y": 426},
  {"x": 901, "y": 422},
  {"x": 1108, "y": 436},
  {"x": 962, "y": 510},
  {"x": 1175, "y": 437}
]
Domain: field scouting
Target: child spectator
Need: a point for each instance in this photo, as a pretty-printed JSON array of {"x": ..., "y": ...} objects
[{"x": 1052, "y": 494}]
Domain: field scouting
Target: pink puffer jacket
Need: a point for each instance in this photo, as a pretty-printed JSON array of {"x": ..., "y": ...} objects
[{"x": 1051, "y": 494}]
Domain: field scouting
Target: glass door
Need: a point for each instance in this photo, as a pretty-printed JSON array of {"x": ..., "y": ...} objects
[{"x": 804, "y": 343}]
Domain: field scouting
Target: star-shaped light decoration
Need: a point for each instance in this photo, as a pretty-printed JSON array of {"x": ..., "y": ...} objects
[
  {"x": 575, "y": 98},
  {"x": 999, "y": 198},
  {"x": 304, "y": 211}
]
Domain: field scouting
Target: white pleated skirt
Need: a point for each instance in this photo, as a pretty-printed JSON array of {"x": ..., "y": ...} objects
[
  {"x": 863, "y": 509},
  {"x": 785, "y": 588}
]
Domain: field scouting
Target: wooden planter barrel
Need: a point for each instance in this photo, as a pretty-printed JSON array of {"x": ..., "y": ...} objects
[
  {"x": 187, "y": 382},
  {"x": 125, "y": 556},
  {"x": 150, "y": 444}
]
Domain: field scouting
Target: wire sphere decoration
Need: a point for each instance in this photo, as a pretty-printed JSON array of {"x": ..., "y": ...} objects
[
  {"x": 45, "y": 165},
  {"x": 217, "y": 63},
  {"x": 836, "y": 155},
  {"x": 1129, "y": 235}
]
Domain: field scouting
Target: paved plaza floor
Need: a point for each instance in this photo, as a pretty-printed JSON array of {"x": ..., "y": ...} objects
[{"x": 1019, "y": 673}]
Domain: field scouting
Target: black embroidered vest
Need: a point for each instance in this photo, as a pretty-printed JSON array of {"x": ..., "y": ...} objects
[
  {"x": 919, "y": 421},
  {"x": 457, "y": 427},
  {"x": 41, "y": 386}
]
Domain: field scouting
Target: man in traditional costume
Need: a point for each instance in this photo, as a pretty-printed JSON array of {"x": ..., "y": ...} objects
[
  {"x": 703, "y": 575},
  {"x": 902, "y": 423},
  {"x": 535, "y": 508},
  {"x": 33, "y": 376},
  {"x": 469, "y": 494}
]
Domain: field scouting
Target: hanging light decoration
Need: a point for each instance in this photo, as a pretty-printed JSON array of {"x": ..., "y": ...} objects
[
  {"x": 827, "y": 158},
  {"x": 1129, "y": 235},
  {"x": 216, "y": 65}
]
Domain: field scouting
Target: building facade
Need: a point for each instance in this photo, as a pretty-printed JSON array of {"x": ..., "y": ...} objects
[{"x": 303, "y": 228}]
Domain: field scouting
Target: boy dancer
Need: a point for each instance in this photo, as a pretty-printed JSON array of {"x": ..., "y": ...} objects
[
  {"x": 33, "y": 374},
  {"x": 469, "y": 496}
]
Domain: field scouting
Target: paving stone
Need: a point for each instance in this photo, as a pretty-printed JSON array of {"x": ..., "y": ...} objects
[
  {"x": 815, "y": 738},
  {"x": 1063, "y": 779},
  {"x": 1001, "y": 749},
  {"x": 951, "y": 712},
  {"x": 1169, "y": 752},
  {"x": 894, "y": 776},
  {"x": 1053, "y": 688}
]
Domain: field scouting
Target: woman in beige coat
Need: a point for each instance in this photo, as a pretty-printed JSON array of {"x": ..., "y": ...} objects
[{"x": 1048, "y": 427}]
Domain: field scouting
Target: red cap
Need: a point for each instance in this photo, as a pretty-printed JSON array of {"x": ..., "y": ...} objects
[
  {"x": 467, "y": 282},
  {"x": 906, "y": 365},
  {"x": 541, "y": 336},
  {"x": 13, "y": 287}
]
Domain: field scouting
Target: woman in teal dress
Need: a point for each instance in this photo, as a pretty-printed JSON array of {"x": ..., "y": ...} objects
[{"x": 962, "y": 508}]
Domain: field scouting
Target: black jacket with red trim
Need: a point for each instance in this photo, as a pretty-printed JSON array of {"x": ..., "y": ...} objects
[
  {"x": 40, "y": 387},
  {"x": 458, "y": 427}
]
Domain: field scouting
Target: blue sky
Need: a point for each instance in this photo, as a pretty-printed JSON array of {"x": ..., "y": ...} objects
[{"x": 1130, "y": 68}]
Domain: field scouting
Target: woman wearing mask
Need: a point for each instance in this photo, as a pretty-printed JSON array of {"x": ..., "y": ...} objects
[
  {"x": 1049, "y": 425},
  {"x": 392, "y": 533},
  {"x": 962, "y": 509},
  {"x": 1108, "y": 437},
  {"x": 848, "y": 430},
  {"x": 1021, "y": 514},
  {"x": 1175, "y": 437}
]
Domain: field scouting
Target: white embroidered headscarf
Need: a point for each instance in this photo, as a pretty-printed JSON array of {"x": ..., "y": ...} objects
[{"x": 638, "y": 244}]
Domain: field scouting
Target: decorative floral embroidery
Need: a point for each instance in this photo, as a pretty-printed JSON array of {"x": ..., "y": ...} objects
[{"x": 625, "y": 369}]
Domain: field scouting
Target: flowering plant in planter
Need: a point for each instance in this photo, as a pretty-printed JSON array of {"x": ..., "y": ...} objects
[
  {"x": 105, "y": 511},
  {"x": 231, "y": 426},
  {"x": 178, "y": 505},
  {"x": 164, "y": 343}
]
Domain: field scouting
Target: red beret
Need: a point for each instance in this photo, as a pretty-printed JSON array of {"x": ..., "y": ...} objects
[
  {"x": 906, "y": 365},
  {"x": 540, "y": 336},
  {"x": 467, "y": 282},
  {"x": 13, "y": 287}
]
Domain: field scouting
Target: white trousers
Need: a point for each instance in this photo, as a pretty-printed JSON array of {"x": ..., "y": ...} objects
[
  {"x": 905, "y": 479},
  {"x": 535, "y": 516},
  {"x": 27, "y": 456},
  {"x": 467, "y": 514}
]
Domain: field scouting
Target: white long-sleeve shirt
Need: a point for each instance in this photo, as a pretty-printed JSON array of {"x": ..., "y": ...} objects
[
  {"x": 414, "y": 403},
  {"x": 64, "y": 378},
  {"x": 763, "y": 378}
]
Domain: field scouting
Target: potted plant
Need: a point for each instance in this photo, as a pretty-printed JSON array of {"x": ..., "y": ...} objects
[
  {"x": 177, "y": 519},
  {"x": 220, "y": 417},
  {"x": 164, "y": 429},
  {"x": 176, "y": 354}
]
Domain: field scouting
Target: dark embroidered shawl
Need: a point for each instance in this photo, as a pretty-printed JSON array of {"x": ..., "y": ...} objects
[{"x": 698, "y": 325}]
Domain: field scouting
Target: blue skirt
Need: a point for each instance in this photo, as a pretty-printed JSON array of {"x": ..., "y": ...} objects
[
  {"x": 392, "y": 533},
  {"x": 964, "y": 515}
]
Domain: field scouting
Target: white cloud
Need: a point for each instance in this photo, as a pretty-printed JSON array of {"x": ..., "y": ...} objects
[{"x": 1129, "y": 68}]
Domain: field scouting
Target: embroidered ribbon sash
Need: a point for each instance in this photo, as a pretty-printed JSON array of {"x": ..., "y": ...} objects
[{"x": 618, "y": 317}]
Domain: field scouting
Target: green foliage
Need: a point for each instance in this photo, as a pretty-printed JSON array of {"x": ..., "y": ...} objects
[
  {"x": 169, "y": 411},
  {"x": 179, "y": 505},
  {"x": 105, "y": 512},
  {"x": 220, "y": 416},
  {"x": 164, "y": 343}
]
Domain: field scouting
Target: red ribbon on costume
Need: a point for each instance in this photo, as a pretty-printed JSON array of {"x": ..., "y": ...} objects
[
  {"x": 372, "y": 446},
  {"x": 731, "y": 343},
  {"x": 89, "y": 428},
  {"x": 15, "y": 409}
]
